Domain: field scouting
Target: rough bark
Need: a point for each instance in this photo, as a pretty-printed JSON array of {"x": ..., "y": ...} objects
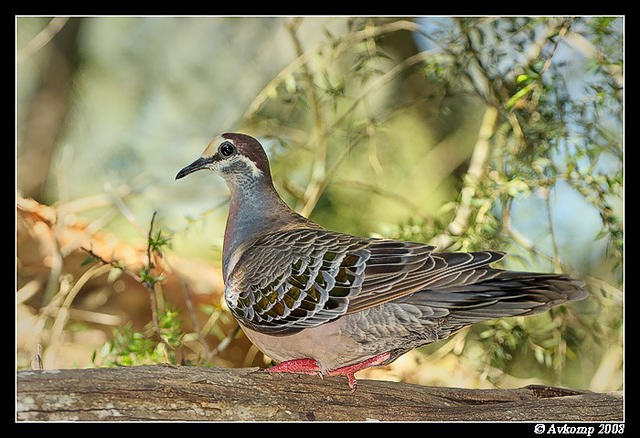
[{"x": 167, "y": 393}]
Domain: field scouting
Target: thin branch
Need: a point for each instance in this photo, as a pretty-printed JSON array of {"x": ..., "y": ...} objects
[
  {"x": 192, "y": 312},
  {"x": 563, "y": 31},
  {"x": 472, "y": 178},
  {"x": 112, "y": 263},
  {"x": 319, "y": 178},
  {"x": 53, "y": 282},
  {"x": 149, "y": 239},
  {"x": 62, "y": 315},
  {"x": 203, "y": 215},
  {"x": 556, "y": 258},
  {"x": 405, "y": 202},
  {"x": 28, "y": 290},
  {"x": 535, "y": 49},
  {"x": 318, "y": 137},
  {"x": 320, "y": 184},
  {"x": 94, "y": 317},
  {"x": 126, "y": 212},
  {"x": 150, "y": 284},
  {"x": 340, "y": 43},
  {"x": 491, "y": 99},
  {"x": 224, "y": 343},
  {"x": 42, "y": 38},
  {"x": 588, "y": 49},
  {"x": 608, "y": 288},
  {"x": 517, "y": 131},
  {"x": 374, "y": 161},
  {"x": 102, "y": 199},
  {"x": 380, "y": 81},
  {"x": 547, "y": 63},
  {"x": 36, "y": 360},
  {"x": 525, "y": 243}
]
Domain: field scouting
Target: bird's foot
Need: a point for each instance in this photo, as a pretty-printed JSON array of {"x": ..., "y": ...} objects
[
  {"x": 350, "y": 370},
  {"x": 301, "y": 366},
  {"x": 310, "y": 366}
]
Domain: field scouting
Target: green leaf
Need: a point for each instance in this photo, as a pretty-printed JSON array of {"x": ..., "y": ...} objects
[
  {"x": 106, "y": 349},
  {"x": 207, "y": 308},
  {"x": 602, "y": 233},
  {"x": 539, "y": 355},
  {"x": 87, "y": 260},
  {"x": 522, "y": 78},
  {"x": 290, "y": 84},
  {"x": 521, "y": 93}
]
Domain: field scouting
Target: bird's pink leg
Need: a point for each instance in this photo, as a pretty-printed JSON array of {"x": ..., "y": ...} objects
[
  {"x": 302, "y": 366},
  {"x": 350, "y": 370},
  {"x": 310, "y": 366}
]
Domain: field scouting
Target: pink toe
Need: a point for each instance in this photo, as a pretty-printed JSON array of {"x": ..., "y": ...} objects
[{"x": 302, "y": 366}]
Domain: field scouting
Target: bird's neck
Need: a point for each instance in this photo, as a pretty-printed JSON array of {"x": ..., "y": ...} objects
[{"x": 255, "y": 210}]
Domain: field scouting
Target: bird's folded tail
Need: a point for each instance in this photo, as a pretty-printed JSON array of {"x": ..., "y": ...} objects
[{"x": 507, "y": 293}]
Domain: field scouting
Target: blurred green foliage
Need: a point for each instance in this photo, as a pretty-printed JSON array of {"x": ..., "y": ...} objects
[
  {"x": 129, "y": 347},
  {"x": 370, "y": 125}
]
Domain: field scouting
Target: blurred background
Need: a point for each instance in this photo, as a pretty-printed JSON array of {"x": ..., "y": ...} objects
[{"x": 469, "y": 133}]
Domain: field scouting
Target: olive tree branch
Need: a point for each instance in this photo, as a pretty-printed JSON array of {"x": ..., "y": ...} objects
[
  {"x": 42, "y": 38},
  {"x": 474, "y": 174},
  {"x": 318, "y": 137},
  {"x": 339, "y": 44},
  {"x": 375, "y": 85}
]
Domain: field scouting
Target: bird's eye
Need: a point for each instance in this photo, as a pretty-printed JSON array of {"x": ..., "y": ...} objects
[{"x": 227, "y": 149}]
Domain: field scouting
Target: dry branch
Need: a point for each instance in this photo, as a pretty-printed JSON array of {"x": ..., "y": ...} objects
[
  {"x": 54, "y": 284},
  {"x": 192, "y": 393}
]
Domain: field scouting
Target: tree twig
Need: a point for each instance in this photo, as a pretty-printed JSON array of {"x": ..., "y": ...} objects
[
  {"x": 380, "y": 82},
  {"x": 192, "y": 313},
  {"x": 345, "y": 41},
  {"x": 318, "y": 138},
  {"x": 525, "y": 243},
  {"x": 491, "y": 98},
  {"x": 113, "y": 263},
  {"x": 42, "y": 38},
  {"x": 319, "y": 185},
  {"x": 36, "y": 360},
  {"x": 554, "y": 244},
  {"x": 472, "y": 178},
  {"x": 125, "y": 211},
  {"x": 405, "y": 202},
  {"x": 151, "y": 283},
  {"x": 224, "y": 343}
]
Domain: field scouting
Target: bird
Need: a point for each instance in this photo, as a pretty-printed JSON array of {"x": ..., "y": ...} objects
[{"x": 323, "y": 302}]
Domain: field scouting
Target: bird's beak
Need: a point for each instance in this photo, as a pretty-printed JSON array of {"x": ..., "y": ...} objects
[{"x": 200, "y": 163}]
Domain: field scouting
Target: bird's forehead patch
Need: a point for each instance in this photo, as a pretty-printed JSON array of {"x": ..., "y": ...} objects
[{"x": 212, "y": 148}]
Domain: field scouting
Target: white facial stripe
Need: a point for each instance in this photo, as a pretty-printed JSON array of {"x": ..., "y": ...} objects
[
  {"x": 212, "y": 148},
  {"x": 254, "y": 169}
]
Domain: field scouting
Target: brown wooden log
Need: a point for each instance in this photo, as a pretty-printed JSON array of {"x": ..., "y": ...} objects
[{"x": 167, "y": 393}]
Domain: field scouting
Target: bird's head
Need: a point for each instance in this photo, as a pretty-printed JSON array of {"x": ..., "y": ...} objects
[{"x": 234, "y": 157}]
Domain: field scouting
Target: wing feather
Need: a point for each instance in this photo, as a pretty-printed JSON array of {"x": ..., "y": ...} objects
[{"x": 290, "y": 280}]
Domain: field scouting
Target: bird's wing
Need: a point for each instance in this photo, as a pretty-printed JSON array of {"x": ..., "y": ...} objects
[
  {"x": 385, "y": 282},
  {"x": 290, "y": 280}
]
